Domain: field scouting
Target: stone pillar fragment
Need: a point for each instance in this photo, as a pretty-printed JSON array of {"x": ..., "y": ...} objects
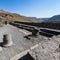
[{"x": 7, "y": 40}]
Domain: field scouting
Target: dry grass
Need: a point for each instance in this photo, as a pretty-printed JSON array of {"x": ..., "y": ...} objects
[{"x": 13, "y": 17}]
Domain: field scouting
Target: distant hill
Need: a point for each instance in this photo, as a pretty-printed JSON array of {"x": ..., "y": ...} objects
[
  {"x": 14, "y": 17},
  {"x": 43, "y": 19},
  {"x": 54, "y": 19},
  {"x": 39, "y": 19},
  {"x": 36, "y": 19}
]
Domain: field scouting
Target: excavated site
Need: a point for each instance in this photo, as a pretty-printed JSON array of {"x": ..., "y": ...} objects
[{"x": 25, "y": 42}]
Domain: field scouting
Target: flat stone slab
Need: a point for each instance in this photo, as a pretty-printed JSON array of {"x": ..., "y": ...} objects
[
  {"x": 46, "y": 49},
  {"x": 19, "y": 43}
]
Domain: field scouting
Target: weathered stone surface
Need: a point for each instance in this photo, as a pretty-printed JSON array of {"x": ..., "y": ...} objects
[
  {"x": 56, "y": 38},
  {"x": 0, "y": 49},
  {"x": 7, "y": 40},
  {"x": 20, "y": 44},
  {"x": 46, "y": 49}
]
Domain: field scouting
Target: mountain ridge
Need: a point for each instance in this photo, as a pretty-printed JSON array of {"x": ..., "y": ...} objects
[
  {"x": 54, "y": 19},
  {"x": 8, "y": 16},
  {"x": 13, "y": 17}
]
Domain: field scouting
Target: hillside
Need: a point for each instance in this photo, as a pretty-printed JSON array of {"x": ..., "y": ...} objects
[
  {"x": 13, "y": 17},
  {"x": 54, "y": 19},
  {"x": 16, "y": 17},
  {"x": 36, "y": 19}
]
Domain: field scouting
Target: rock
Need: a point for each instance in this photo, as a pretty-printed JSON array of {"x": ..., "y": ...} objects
[
  {"x": 54, "y": 37},
  {"x": 0, "y": 48},
  {"x": 7, "y": 40},
  {"x": 58, "y": 36},
  {"x": 58, "y": 50},
  {"x": 45, "y": 38}
]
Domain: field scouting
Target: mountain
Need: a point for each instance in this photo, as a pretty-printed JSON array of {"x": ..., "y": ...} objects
[
  {"x": 36, "y": 19},
  {"x": 14, "y": 17},
  {"x": 43, "y": 19},
  {"x": 54, "y": 19}
]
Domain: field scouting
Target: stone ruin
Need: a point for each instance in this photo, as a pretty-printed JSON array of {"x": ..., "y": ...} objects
[
  {"x": 5, "y": 37},
  {"x": 7, "y": 41}
]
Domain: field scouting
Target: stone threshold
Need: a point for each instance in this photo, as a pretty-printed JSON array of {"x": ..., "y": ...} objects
[{"x": 16, "y": 57}]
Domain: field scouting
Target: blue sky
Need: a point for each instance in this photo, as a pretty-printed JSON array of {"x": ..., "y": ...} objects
[{"x": 33, "y": 8}]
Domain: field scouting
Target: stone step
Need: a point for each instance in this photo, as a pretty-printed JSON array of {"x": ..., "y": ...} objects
[
  {"x": 45, "y": 34},
  {"x": 50, "y": 31}
]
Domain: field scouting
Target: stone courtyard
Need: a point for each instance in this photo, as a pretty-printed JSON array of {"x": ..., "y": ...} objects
[{"x": 40, "y": 47}]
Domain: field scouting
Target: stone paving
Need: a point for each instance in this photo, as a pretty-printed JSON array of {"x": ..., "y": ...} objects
[
  {"x": 46, "y": 49},
  {"x": 19, "y": 43}
]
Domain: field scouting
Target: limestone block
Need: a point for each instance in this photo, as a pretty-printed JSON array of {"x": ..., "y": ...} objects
[{"x": 7, "y": 40}]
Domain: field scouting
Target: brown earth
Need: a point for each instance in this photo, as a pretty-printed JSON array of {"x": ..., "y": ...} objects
[{"x": 13, "y": 17}]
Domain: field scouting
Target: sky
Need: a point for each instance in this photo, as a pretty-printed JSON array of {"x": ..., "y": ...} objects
[{"x": 32, "y": 8}]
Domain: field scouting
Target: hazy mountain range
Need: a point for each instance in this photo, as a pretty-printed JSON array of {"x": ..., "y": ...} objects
[
  {"x": 16, "y": 17},
  {"x": 54, "y": 19}
]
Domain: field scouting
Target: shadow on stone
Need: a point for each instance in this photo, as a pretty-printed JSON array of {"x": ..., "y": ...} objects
[
  {"x": 45, "y": 34},
  {"x": 26, "y": 57},
  {"x": 7, "y": 40},
  {"x": 27, "y": 37}
]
